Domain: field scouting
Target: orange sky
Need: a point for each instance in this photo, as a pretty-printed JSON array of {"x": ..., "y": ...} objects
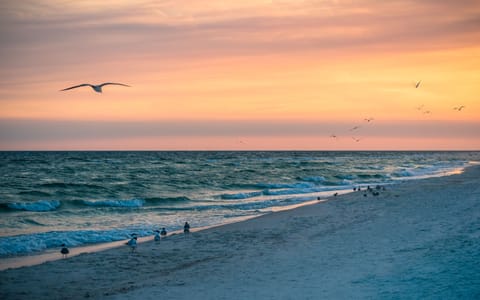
[{"x": 215, "y": 75}]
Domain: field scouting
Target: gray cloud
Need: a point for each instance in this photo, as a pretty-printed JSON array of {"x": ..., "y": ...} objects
[
  {"x": 13, "y": 131},
  {"x": 80, "y": 37}
]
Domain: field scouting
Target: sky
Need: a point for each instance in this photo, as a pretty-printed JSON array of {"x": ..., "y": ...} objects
[{"x": 240, "y": 75}]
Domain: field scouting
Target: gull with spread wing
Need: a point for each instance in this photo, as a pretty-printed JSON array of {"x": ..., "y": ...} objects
[{"x": 97, "y": 88}]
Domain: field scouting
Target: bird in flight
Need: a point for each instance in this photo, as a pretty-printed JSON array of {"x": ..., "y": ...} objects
[
  {"x": 333, "y": 136},
  {"x": 97, "y": 88},
  {"x": 356, "y": 139},
  {"x": 459, "y": 108},
  {"x": 354, "y": 128},
  {"x": 369, "y": 119},
  {"x": 417, "y": 84}
]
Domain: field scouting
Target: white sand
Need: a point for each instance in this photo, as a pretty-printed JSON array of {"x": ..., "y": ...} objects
[{"x": 419, "y": 239}]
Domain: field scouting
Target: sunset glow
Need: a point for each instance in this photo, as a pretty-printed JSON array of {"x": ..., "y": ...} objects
[{"x": 269, "y": 74}]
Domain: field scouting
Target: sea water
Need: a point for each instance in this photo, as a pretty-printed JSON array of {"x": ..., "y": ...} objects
[{"x": 82, "y": 198}]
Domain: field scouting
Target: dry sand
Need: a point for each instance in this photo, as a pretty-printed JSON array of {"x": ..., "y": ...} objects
[{"x": 419, "y": 239}]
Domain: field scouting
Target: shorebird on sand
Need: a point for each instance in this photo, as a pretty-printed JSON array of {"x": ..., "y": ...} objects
[
  {"x": 97, "y": 88},
  {"x": 163, "y": 233},
  {"x": 64, "y": 251},
  {"x": 133, "y": 243}
]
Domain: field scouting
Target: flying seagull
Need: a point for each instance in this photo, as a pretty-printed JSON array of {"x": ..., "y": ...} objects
[
  {"x": 459, "y": 108},
  {"x": 354, "y": 128},
  {"x": 356, "y": 139},
  {"x": 368, "y": 119},
  {"x": 417, "y": 84},
  {"x": 97, "y": 88}
]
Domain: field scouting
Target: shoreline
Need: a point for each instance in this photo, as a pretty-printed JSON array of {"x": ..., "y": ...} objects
[
  {"x": 418, "y": 239},
  {"x": 52, "y": 254}
]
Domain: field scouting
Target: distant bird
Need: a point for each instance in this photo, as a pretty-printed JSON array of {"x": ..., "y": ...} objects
[
  {"x": 96, "y": 88},
  {"x": 163, "y": 233},
  {"x": 157, "y": 236},
  {"x": 356, "y": 139},
  {"x": 459, "y": 108},
  {"x": 423, "y": 110},
  {"x": 186, "y": 228},
  {"x": 333, "y": 136},
  {"x": 417, "y": 84},
  {"x": 64, "y": 251},
  {"x": 354, "y": 128},
  {"x": 132, "y": 243},
  {"x": 368, "y": 119}
]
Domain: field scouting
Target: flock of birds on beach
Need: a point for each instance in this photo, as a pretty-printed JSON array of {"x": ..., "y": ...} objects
[{"x": 132, "y": 243}]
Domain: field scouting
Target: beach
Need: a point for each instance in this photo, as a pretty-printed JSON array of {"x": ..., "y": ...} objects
[{"x": 416, "y": 239}]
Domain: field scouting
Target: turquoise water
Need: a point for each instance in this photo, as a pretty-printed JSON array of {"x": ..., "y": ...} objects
[{"x": 80, "y": 198}]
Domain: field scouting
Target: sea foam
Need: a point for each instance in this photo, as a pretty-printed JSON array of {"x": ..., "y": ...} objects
[
  {"x": 115, "y": 203},
  {"x": 28, "y": 243}
]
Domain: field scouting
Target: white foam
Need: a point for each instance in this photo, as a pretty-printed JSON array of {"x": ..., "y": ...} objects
[
  {"x": 30, "y": 243},
  {"x": 286, "y": 185},
  {"x": 115, "y": 203}
]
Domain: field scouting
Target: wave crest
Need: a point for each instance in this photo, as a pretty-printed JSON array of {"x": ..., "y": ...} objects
[
  {"x": 115, "y": 203},
  {"x": 41, "y": 205},
  {"x": 240, "y": 195},
  {"x": 155, "y": 200},
  {"x": 285, "y": 185}
]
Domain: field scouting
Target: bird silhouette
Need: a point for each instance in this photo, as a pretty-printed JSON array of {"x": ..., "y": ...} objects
[
  {"x": 64, "y": 251},
  {"x": 417, "y": 84},
  {"x": 459, "y": 108},
  {"x": 97, "y": 88}
]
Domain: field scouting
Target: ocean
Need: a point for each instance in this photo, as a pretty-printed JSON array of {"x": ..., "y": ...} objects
[{"x": 84, "y": 198}]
